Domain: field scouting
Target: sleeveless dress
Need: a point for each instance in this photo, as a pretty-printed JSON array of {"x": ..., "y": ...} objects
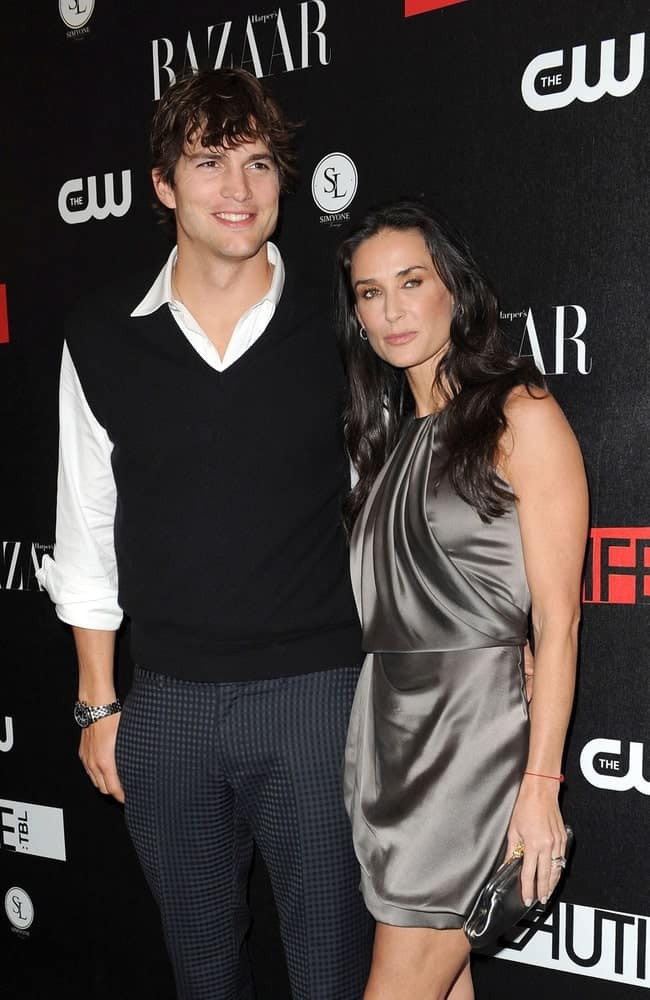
[{"x": 438, "y": 735}]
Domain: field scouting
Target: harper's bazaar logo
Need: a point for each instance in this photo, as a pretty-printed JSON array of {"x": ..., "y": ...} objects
[
  {"x": 282, "y": 41},
  {"x": 603, "y": 944},
  {"x": 557, "y": 348},
  {"x": 80, "y": 200},
  {"x": 605, "y": 765},
  {"x": 617, "y": 568},
  {"x": 19, "y": 563},
  {"x": 544, "y": 86}
]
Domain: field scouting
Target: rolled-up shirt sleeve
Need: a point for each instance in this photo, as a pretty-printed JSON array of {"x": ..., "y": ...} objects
[{"x": 81, "y": 579}]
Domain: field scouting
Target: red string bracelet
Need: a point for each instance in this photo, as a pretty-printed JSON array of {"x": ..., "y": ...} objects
[{"x": 553, "y": 777}]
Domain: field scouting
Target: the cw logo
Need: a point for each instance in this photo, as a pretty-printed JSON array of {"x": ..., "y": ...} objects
[
  {"x": 613, "y": 780},
  {"x": 578, "y": 88},
  {"x": 7, "y": 742},
  {"x": 75, "y": 205}
]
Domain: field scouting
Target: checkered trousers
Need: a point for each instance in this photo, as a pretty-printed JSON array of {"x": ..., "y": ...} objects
[{"x": 208, "y": 769}]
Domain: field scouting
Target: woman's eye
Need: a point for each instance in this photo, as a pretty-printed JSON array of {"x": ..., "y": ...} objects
[
  {"x": 369, "y": 293},
  {"x": 413, "y": 283}
]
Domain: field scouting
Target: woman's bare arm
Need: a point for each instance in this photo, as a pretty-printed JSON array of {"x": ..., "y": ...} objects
[{"x": 542, "y": 461}]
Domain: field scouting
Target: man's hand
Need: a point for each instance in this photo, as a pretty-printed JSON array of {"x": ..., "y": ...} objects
[
  {"x": 95, "y": 652},
  {"x": 97, "y": 753}
]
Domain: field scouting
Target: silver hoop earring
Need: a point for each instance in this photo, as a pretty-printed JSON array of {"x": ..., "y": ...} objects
[{"x": 362, "y": 333}]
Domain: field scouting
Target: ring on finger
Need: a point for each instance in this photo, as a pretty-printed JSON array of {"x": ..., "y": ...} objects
[{"x": 560, "y": 862}]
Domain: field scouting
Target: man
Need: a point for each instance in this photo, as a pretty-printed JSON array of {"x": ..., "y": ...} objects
[{"x": 201, "y": 470}]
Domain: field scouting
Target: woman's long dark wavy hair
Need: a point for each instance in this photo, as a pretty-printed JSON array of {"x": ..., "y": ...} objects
[{"x": 475, "y": 375}]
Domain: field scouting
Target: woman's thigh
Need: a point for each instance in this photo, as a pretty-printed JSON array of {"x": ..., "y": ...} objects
[{"x": 416, "y": 963}]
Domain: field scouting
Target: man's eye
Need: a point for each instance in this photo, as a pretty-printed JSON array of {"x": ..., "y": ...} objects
[{"x": 261, "y": 165}]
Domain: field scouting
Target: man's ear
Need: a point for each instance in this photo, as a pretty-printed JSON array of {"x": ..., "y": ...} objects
[{"x": 164, "y": 191}]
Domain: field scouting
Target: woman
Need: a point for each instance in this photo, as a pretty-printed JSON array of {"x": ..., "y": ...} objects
[{"x": 467, "y": 467}]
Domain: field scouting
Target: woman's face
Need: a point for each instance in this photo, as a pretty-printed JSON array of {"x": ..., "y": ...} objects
[{"x": 401, "y": 301}]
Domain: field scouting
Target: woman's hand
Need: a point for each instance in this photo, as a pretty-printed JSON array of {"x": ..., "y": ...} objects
[{"x": 537, "y": 823}]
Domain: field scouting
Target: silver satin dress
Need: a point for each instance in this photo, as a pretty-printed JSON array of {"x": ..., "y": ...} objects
[{"x": 438, "y": 735}]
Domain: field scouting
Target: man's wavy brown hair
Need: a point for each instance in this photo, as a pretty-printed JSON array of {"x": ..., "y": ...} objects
[{"x": 222, "y": 107}]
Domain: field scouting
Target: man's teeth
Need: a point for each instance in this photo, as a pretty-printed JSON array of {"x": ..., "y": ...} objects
[{"x": 234, "y": 216}]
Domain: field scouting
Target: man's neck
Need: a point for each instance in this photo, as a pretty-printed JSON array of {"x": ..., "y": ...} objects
[
  {"x": 217, "y": 293},
  {"x": 228, "y": 284}
]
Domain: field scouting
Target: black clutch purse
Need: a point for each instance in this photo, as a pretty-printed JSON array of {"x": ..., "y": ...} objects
[{"x": 499, "y": 905}]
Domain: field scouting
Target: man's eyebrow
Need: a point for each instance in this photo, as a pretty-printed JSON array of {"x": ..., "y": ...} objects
[
  {"x": 204, "y": 154},
  {"x": 259, "y": 156},
  {"x": 398, "y": 274},
  {"x": 217, "y": 154}
]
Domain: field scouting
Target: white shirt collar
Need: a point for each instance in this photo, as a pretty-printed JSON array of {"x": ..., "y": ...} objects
[{"x": 160, "y": 293}]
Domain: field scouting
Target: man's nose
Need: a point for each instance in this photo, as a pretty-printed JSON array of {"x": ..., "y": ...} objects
[{"x": 235, "y": 184}]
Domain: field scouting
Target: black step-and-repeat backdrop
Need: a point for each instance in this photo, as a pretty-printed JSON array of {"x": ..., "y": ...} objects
[{"x": 527, "y": 124}]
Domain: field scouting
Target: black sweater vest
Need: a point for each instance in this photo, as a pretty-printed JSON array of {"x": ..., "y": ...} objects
[{"x": 231, "y": 559}]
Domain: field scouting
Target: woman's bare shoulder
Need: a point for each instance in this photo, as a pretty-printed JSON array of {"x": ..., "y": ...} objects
[{"x": 536, "y": 426}]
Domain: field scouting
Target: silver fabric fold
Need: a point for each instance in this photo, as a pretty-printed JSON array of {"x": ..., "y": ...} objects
[{"x": 438, "y": 735}]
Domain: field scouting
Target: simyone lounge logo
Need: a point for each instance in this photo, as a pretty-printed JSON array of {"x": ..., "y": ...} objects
[
  {"x": 544, "y": 86},
  {"x": 76, "y": 14},
  {"x": 284, "y": 40},
  {"x": 413, "y": 7},
  {"x": 333, "y": 187},
  {"x": 19, "y": 909},
  {"x": 79, "y": 199}
]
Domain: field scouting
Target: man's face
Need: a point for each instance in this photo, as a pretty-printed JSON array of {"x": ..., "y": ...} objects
[{"x": 226, "y": 200}]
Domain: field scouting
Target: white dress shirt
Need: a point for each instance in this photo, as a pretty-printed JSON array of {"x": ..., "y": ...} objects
[{"x": 82, "y": 577}]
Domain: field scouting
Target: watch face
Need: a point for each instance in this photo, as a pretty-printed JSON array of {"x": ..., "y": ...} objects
[{"x": 82, "y": 715}]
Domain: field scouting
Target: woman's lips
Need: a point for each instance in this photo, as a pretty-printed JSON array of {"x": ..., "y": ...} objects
[{"x": 401, "y": 338}]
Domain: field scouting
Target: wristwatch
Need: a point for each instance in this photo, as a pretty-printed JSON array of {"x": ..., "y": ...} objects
[{"x": 85, "y": 715}]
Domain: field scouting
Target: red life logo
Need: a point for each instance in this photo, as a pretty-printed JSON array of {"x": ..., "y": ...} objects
[
  {"x": 4, "y": 316},
  {"x": 412, "y": 7},
  {"x": 617, "y": 570}
]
